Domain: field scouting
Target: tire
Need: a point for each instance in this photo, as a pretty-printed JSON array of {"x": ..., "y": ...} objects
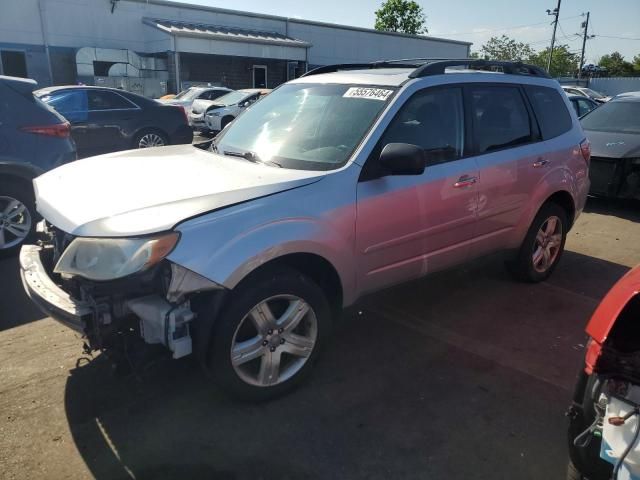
[
  {"x": 150, "y": 138},
  {"x": 225, "y": 121},
  {"x": 552, "y": 220},
  {"x": 281, "y": 290},
  {"x": 585, "y": 462},
  {"x": 16, "y": 218}
]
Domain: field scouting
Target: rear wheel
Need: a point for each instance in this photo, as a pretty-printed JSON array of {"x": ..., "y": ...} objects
[
  {"x": 542, "y": 248},
  {"x": 267, "y": 339},
  {"x": 18, "y": 216},
  {"x": 150, "y": 138}
]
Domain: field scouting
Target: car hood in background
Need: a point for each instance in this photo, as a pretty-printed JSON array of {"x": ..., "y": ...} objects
[
  {"x": 614, "y": 144},
  {"x": 143, "y": 191}
]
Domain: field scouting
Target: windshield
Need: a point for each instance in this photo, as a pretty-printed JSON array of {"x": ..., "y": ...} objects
[
  {"x": 188, "y": 94},
  {"x": 303, "y": 126},
  {"x": 233, "y": 97},
  {"x": 614, "y": 117},
  {"x": 592, "y": 93}
]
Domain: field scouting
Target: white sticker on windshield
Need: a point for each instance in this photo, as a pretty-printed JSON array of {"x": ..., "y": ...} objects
[{"x": 372, "y": 93}]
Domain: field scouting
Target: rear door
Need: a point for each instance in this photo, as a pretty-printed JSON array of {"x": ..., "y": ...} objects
[
  {"x": 111, "y": 120},
  {"x": 503, "y": 131},
  {"x": 409, "y": 225}
]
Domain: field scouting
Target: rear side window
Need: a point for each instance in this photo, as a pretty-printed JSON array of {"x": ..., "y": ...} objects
[
  {"x": 104, "y": 100},
  {"x": 500, "y": 118},
  {"x": 551, "y": 111},
  {"x": 67, "y": 101}
]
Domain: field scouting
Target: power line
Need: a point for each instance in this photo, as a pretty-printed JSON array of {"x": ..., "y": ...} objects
[
  {"x": 613, "y": 36},
  {"x": 503, "y": 29}
]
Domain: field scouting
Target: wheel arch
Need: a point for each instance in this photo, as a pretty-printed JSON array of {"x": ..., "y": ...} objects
[{"x": 565, "y": 200}]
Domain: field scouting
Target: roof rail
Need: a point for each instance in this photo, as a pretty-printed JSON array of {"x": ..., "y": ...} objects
[
  {"x": 436, "y": 66},
  {"x": 511, "y": 68}
]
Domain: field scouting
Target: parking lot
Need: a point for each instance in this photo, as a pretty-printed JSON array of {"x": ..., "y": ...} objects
[{"x": 466, "y": 374}]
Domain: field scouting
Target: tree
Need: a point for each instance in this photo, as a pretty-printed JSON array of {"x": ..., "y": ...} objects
[
  {"x": 505, "y": 48},
  {"x": 563, "y": 63},
  {"x": 616, "y": 65},
  {"x": 404, "y": 16}
]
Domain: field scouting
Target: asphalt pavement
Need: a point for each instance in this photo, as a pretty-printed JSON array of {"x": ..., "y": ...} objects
[{"x": 462, "y": 375}]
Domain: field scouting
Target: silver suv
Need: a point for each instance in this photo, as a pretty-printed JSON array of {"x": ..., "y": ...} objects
[{"x": 342, "y": 182}]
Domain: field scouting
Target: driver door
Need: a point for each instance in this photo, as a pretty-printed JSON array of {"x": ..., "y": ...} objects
[{"x": 411, "y": 225}]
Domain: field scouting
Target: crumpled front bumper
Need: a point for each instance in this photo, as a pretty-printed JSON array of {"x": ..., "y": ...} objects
[{"x": 50, "y": 298}]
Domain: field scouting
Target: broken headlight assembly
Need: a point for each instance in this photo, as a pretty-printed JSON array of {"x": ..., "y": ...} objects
[{"x": 103, "y": 259}]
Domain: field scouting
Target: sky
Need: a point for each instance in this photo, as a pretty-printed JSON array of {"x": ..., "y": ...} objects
[{"x": 478, "y": 20}]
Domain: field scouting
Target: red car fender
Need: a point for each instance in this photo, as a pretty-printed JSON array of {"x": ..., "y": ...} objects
[{"x": 607, "y": 313}]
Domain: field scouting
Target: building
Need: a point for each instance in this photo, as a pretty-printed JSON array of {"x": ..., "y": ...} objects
[{"x": 159, "y": 46}]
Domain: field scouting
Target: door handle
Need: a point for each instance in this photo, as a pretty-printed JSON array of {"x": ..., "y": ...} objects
[
  {"x": 465, "y": 181},
  {"x": 541, "y": 162}
]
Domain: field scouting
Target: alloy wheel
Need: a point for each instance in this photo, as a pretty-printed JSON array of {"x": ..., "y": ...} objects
[
  {"x": 547, "y": 245},
  {"x": 15, "y": 222},
  {"x": 149, "y": 140},
  {"x": 274, "y": 340}
]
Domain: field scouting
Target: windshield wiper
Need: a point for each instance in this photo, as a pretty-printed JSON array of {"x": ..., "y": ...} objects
[{"x": 250, "y": 156}]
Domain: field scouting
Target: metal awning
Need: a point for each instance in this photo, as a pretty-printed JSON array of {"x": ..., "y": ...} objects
[{"x": 223, "y": 33}]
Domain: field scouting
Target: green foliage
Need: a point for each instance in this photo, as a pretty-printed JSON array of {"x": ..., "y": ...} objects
[
  {"x": 404, "y": 16},
  {"x": 564, "y": 63},
  {"x": 505, "y": 48},
  {"x": 617, "y": 66}
]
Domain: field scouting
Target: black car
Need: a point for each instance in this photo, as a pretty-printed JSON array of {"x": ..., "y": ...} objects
[
  {"x": 614, "y": 132},
  {"x": 107, "y": 119},
  {"x": 582, "y": 105},
  {"x": 33, "y": 139}
]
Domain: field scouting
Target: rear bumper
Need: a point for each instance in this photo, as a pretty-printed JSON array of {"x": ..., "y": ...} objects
[
  {"x": 50, "y": 298},
  {"x": 614, "y": 177},
  {"x": 184, "y": 134}
]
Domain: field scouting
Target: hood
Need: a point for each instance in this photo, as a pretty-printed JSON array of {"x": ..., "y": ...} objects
[
  {"x": 144, "y": 191},
  {"x": 614, "y": 144},
  {"x": 201, "y": 105}
]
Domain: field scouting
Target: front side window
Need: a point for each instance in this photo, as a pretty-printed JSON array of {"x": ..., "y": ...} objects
[
  {"x": 550, "y": 110},
  {"x": 305, "y": 126},
  {"x": 500, "y": 118},
  {"x": 432, "y": 119},
  {"x": 67, "y": 101},
  {"x": 584, "y": 107}
]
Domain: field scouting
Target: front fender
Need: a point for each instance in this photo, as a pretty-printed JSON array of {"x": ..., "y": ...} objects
[{"x": 223, "y": 251}]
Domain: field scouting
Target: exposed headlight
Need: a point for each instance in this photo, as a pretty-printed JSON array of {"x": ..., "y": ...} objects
[
  {"x": 214, "y": 114},
  {"x": 111, "y": 258}
]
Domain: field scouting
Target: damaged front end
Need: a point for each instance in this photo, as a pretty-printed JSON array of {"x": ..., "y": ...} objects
[{"x": 158, "y": 304}]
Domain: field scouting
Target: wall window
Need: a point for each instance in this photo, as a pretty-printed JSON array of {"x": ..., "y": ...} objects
[
  {"x": 14, "y": 64},
  {"x": 434, "y": 120},
  {"x": 500, "y": 118}
]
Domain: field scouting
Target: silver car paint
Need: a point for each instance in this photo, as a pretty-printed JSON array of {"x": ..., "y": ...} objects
[
  {"x": 379, "y": 232},
  {"x": 389, "y": 230}
]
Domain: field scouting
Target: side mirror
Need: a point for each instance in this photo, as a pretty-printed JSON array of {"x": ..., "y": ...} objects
[{"x": 403, "y": 159}]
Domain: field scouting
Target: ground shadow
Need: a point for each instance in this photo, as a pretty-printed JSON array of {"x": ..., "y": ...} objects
[
  {"x": 15, "y": 307},
  {"x": 627, "y": 209},
  {"x": 385, "y": 401}
]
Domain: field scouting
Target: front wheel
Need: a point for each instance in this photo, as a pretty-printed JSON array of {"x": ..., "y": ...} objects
[
  {"x": 267, "y": 339},
  {"x": 18, "y": 217},
  {"x": 542, "y": 248}
]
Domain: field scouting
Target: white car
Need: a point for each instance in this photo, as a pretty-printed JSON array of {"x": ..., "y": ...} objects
[
  {"x": 186, "y": 97},
  {"x": 585, "y": 92},
  {"x": 227, "y": 108}
]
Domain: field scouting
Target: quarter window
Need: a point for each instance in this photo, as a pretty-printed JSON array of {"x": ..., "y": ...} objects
[
  {"x": 500, "y": 118},
  {"x": 431, "y": 119},
  {"x": 551, "y": 111}
]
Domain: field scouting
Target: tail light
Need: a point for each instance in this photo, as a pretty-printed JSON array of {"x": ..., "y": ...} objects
[
  {"x": 184, "y": 112},
  {"x": 585, "y": 148},
  {"x": 60, "y": 130}
]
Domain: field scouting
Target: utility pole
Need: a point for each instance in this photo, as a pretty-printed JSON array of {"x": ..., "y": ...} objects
[
  {"x": 585, "y": 25},
  {"x": 556, "y": 13}
]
